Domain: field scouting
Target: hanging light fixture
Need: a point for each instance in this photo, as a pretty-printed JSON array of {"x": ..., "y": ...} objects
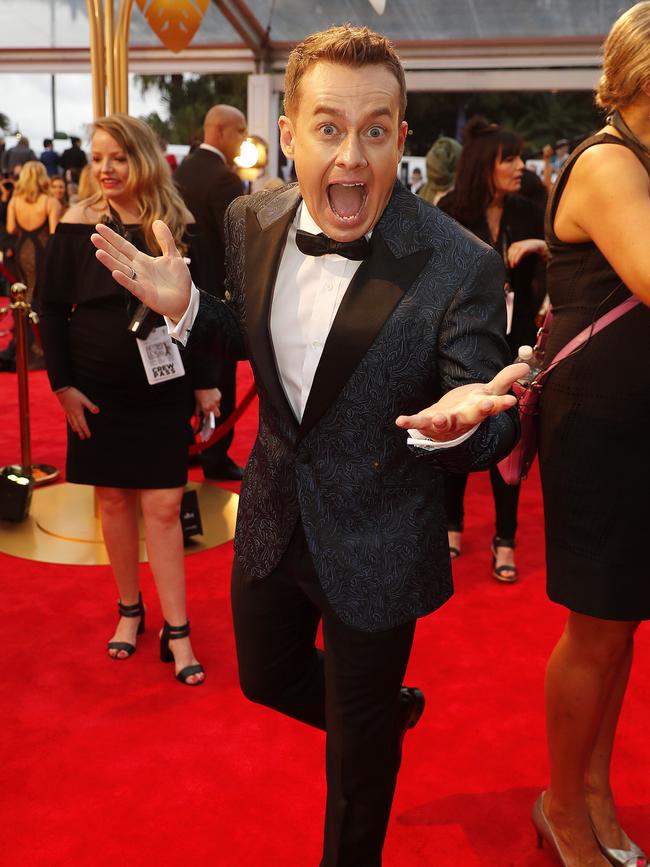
[
  {"x": 253, "y": 157},
  {"x": 378, "y": 5},
  {"x": 174, "y": 21}
]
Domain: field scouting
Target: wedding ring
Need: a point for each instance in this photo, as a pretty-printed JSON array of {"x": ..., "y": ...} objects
[{"x": 133, "y": 274}]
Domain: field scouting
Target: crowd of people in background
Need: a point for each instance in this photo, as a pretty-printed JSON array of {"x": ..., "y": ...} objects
[
  {"x": 35, "y": 192},
  {"x": 71, "y": 180}
]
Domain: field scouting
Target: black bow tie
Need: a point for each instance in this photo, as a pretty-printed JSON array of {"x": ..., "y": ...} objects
[{"x": 320, "y": 245}]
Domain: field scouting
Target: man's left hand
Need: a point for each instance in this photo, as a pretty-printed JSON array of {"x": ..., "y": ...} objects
[{"x": 462, "y": 408}]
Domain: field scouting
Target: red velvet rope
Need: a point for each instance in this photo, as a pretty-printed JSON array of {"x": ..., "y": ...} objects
[
  {"x": 227, "y": 424},
  {"x": 10, "y": 277}
]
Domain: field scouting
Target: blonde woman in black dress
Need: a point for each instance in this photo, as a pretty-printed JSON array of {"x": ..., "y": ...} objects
[
  {"x": 126, "y": 436},
  {"x": 32, "y": 215},
  {"x": 594, "y": 460}
]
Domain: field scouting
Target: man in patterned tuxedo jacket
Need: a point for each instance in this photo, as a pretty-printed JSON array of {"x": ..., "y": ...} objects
[{"x": 357, "y": 304}]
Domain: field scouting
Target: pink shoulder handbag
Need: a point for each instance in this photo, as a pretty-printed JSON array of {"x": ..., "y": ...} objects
[{"x": 517, "y": 464}]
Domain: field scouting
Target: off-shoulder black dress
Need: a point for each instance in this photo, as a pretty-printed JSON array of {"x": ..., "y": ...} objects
[
  {"x": 140, "y": 437},
  {"x": 594, "y": 423}
]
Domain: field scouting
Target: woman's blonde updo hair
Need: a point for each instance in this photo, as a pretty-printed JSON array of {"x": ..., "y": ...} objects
[
  {"x": 149, "y": 180},
  {"x": 626, "y": 59},
  {"x": 32, "y": 182}
]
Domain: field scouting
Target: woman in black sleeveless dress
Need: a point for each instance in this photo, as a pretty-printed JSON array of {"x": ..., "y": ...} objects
[
  {"x": 127, "y": 401},
  {"x": 595, "y": 417}
]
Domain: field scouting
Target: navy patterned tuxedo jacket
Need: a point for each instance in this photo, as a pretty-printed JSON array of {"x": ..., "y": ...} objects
[{"x": 422, "y": 315}]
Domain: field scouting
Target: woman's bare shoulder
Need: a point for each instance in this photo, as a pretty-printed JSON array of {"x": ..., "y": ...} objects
[
  {"x": 82, "y": 212},
  {"x": 607, "y": 161}
]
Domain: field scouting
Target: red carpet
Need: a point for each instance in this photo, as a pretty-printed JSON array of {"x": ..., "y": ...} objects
[{"x": 107, "y": 763}]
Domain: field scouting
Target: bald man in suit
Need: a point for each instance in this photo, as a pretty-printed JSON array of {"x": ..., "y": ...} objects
[{"x": 208, "y": 185}]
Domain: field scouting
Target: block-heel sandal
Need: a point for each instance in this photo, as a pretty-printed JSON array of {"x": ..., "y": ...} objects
[
  {"x": 135, "y": 610},
  {"x": 171, "y": 633},
  {"x": 507, "y": 572}
]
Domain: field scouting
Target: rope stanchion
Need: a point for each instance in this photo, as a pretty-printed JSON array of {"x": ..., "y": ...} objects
[
  {"x": 22, "y": 311},
  {"x": 6, "y": 273},
  {"x": 227, "y": 424},
  {"x": 10, "y": 278}
]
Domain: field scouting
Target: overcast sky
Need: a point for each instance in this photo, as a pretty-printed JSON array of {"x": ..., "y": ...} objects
[{"x": 26, "y": 99}]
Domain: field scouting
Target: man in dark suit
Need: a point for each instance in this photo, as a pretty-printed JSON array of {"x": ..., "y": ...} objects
[
  {"x": 208, "y": 185},
  {"x": 72, "y": 161},
  {"x": 358, "y": 304},
  {"x": 50, "y": 158},
  {"x": 17, "y": 156}
]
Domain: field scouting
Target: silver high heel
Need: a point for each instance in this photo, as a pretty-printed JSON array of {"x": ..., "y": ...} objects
[
  {"x": 544, "y": 830},
  {"x": 632, "y": 857}
]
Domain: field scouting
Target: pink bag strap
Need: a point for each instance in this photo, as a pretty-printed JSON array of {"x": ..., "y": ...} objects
[{"x": 588, "y": 332}]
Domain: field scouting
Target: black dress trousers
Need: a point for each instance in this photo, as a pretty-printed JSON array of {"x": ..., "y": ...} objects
[{"x": 352, "y": 691}]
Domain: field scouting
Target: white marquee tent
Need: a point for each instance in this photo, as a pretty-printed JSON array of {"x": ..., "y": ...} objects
[{"x": 446, "y": 45}]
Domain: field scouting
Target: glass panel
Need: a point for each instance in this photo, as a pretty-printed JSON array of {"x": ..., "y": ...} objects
[
  {"x": 443, "y": 19},
  {"x": 63, "y": 23}
]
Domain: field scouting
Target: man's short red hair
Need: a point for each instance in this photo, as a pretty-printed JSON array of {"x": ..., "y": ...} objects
[{"x": 348, "y": 46}]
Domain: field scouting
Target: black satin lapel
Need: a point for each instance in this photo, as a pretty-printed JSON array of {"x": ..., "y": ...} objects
[
  {"x": 374, "y": 292},
  {"x": 263, "y": 252}
]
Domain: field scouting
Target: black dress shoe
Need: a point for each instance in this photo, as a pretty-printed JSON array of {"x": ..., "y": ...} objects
[
  {"x": 412, "y": 707},
  {"x": 225, "y": 470}
]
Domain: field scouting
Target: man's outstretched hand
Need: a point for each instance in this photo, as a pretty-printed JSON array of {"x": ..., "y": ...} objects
[
  {"x": 464, "y": 407},
  {"x": 162, "y": 282}
]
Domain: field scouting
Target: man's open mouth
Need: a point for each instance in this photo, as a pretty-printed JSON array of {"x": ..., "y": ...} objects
[{"x": 347, "y": 199}]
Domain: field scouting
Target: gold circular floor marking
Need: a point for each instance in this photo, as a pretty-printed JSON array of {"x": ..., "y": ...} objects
[{"x": 62, "y": 526}]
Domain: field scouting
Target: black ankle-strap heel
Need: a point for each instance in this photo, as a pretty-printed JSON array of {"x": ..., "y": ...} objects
[
  {"x": 171, "y": 633},
  {"x": 135, "y": 610},
  {"x": 499, "y": 572}
]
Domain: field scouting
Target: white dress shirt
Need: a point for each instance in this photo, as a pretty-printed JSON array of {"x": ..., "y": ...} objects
[
  {"x": 307, "y": 294},
  {"x": 208, "y": 147}
]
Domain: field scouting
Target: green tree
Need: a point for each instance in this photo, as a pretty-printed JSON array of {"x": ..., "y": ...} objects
[
  {"x": 538, "y": 117},
  {"x": 188, "y": 98},
  {"x": 5, "y": 123},
  {"x": 545, "y": 117}
]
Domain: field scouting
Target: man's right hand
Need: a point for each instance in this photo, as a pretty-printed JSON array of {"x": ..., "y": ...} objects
[{"x": 161, "y": 282}]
